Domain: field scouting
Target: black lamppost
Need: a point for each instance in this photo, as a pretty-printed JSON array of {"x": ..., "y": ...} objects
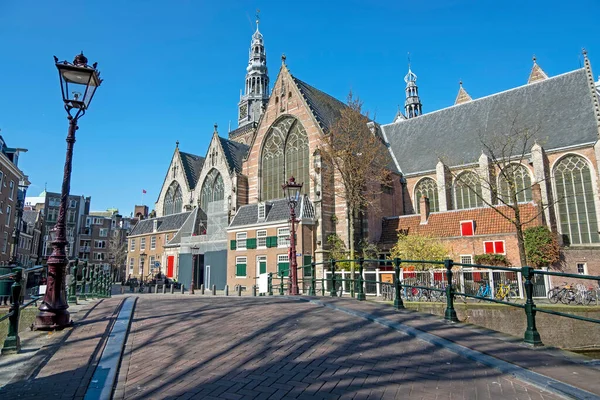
[
  {"x": 21, "y": 194},
  {"x": 142, "y": 259},
  {"x": 79, "y": 82},
  {"x": 291, "y": 189}
]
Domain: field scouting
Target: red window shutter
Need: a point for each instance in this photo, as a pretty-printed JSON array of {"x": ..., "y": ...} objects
[
  {"x": 466, "y": 228},
  {"x": 499, "y": 247},
  {"x": 488, "y": 247}
]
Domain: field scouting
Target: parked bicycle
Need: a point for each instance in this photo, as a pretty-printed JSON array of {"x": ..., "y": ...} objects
[
  {"x": 565, "y": 294},
  {"x": 484, "y": 290},
  {"x": 504, "y": 292}
]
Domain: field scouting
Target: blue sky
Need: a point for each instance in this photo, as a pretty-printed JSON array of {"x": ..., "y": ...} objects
[{"x": 173, "y": 68}]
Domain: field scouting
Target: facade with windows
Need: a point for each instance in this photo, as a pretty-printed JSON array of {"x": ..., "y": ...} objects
[{"x": 501, "y": 149}]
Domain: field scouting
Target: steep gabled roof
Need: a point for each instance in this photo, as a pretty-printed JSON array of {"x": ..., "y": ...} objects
[
  {"x": 234, "y": 153},
  {"x": 446, "y": 224},
  {"x": 192, "y": 165},
  {"x": 167, "y": 223},
  {"x": 558, "y": 110},
  {"x": 325, "y": 108},
  {"x": 276, "y": 211}
]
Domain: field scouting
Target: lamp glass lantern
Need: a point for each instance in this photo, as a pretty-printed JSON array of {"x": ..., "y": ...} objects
[
  {"x": 78, "y": 82},
  {"x": 292, "y": 190}
]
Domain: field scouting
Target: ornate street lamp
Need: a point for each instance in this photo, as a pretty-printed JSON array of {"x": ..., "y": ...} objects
[
  {"x": 79, "y": 82},
  {"x": 291, "y": 190},
  {"x": 142, "y": 259}
]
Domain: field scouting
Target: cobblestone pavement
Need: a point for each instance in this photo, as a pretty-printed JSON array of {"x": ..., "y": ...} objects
[
  {"x": 63, "y": 368},
  {"x": 274, "y": 348}
]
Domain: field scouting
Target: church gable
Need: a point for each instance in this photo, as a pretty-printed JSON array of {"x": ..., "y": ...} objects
[{"x": 176, "y": 192}]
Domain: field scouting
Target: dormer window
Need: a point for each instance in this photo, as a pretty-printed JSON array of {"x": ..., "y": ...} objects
[
  {"x": 154, "y": 225},
  {"x": 467, "y": 228},
  {"x": 261, "y": 211}
]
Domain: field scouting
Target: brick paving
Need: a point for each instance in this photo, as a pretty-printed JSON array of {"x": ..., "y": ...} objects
[
  {"x": 276, "y": 348},
  {"x": 66, "y": 372}
]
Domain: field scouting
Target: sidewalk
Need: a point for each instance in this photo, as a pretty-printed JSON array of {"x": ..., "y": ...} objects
[
  {"x": 553, "y": 363},
  {"x": 60, "y": 364}
]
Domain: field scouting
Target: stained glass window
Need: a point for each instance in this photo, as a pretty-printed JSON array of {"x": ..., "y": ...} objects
[
  {"x": 427, "y": 187},
  {"x": 467, "y": 191},
  {"x": 173, "y": 200},
  {"x": 212, "y": 189},
  {"x": 514, "y": 179}
]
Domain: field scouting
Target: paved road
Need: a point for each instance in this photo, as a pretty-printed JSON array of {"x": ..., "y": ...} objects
[{"x": 273, "y": 348}]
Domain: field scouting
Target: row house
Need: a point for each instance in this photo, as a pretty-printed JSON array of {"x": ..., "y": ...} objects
[{"x": 30, "y": 238}]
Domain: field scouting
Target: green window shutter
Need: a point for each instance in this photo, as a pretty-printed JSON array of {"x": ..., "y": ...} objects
[
  {"x": 283, "y": 268},
  {"x": 271, "y": 241},
  {"x": 251, "y": 243},
  {"x": 262, "y": 267},
  {"x": 307, "y": 267},
  {"x": 233, "y": 245},
  {"x": 240, "y": 270}
]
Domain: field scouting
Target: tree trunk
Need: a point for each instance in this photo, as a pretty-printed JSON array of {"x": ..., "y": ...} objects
[{"x": 351, "y": 246}]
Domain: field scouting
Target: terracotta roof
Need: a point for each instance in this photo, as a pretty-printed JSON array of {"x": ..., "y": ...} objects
[{"x": 447, "y": 223}]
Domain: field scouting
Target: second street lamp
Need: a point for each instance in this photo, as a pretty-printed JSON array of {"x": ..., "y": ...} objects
[
  {"x": 79, "y": 82},
  {"x": 292, "y": 190}
]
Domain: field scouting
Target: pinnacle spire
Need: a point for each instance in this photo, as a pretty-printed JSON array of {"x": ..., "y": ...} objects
[
  {"x": 412, "y": 104},
  {"x": 463, "y": 96},
  {"x": 537, "y": 73}
]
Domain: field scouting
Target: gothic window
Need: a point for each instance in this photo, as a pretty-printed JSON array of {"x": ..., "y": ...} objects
[
  {"x": 575, "y": 201},
  {"x": 467, "y": 191},
  {"x": 173, "y": 203},
  {"x": 212, "y": 189},
  {"x": 427, "y": 187},
  {"x": 514, "y": 179},
  {"x": 285, "y": 154}
]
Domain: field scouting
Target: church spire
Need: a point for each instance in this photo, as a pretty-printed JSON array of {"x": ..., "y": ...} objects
[
  {"x": 256, "y": 89},
  {"x": 412, "y": 104}
]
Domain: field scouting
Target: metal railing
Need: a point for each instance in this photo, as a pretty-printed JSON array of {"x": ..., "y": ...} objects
[
  {"x": 87, "y": 282},
  {"x": 449, "y": 281}
]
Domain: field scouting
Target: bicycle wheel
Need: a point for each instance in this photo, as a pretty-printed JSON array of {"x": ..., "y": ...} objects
[
  {"x": 554, "y": 296},
  {"x": 567, "y": 297}
]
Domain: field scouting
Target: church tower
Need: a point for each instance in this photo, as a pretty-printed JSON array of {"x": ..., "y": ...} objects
[
  {"x": 412, "y": 104},
  {"x": 256, "y": 91}
]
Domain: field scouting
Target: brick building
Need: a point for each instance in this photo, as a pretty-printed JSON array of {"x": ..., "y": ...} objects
[{"x": 30, "y": 238}]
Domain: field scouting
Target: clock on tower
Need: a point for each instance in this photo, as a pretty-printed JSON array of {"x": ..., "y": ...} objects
[{"x": 243, "y": 111}]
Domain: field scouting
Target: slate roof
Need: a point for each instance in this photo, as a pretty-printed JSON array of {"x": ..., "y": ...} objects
[
  {"x": 234, "y": 153},
  {"x": 446, "y": 224},
  {"x": 243, "y": 129},
  {"x": 192, "y": 165},
  {"x": 29, "y": 217},
  {"x": 276, "y": 211},
  {"x": 326, "y": 108},
  {"x": 167, "y": 223},
  {"x": 559, "y": 109}
]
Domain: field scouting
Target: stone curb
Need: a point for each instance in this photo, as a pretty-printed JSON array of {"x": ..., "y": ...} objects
[
  {"x": 534, "y": 378},
  {"x": 104, "y": 378}
]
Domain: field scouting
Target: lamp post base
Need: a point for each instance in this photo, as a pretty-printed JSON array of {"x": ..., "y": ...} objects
[{"x": 52, "y": 320}]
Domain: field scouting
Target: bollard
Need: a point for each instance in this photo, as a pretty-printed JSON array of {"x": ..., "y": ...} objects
[
  {"x": 202, "y": 288},
  {"x": 313, "y": 280},
  {"x": 182, "y": 288},
  {"x": 226, "y": 290},
  {"x": 122, "y": 289},
  {"x": 450, "y": 314},
  {"x": 12, "y": 343},
  {"x": 192, "y": 286},
  {"x": 398, "y": 304},
  {"x": 270, "y": 283},
  {"x": 360, "y": 293},
  {"x": 532, "y": 336},
  {"x": 240, "y": 290},
  {"x": 332, "y": 292},
  {"x": 253, "y": 291},
  {"x": 164, "y": 289},
  {"x": 214, "y": 290},
  {"x": 172, "y": 288},
  {"x": 73, "y": 286}
]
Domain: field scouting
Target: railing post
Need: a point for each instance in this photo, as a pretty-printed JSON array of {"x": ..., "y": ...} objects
[
  {"x": 313, "y": 280},
  {"x": 398, "y": 303},
  {"x": 270, "y": 283},
  {"x": 82, "y": 295},
  {"x": 360, "y": 293},
  {"x": 532, "y": 336},
  {"x": 73, "y": 286},
  {"x": 12, "y": 343},
  {"x": 92, "y": 277},
  {"x": 450, "y": 314},
  {"x": 281, "y": 283},
  {"x": 97, "y": 280},
  {"x": 332, "y": 291}
]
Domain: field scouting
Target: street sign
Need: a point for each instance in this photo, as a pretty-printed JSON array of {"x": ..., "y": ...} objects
[{"x": 157, "y": 264}]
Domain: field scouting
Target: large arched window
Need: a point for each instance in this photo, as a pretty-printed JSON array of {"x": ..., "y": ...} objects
[
  {"x": 173, "y": 200},
  {"x": 575, "y": 201},
  {"x": 467, "y": 191},
  {"x": 514, "y": 178},
  {"x": 212, "y": 189},
  {"x": 285, "y": 154},
  {"x": 427, "y": 187}
]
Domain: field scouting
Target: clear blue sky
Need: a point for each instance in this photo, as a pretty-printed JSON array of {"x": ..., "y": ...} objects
[{"x": 173, "y": 68}]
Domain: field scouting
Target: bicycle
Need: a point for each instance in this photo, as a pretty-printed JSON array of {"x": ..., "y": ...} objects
[
  {"x": 566, "y": 294},
  {"x": 504, "y": 292},
  {"x": 484, "y": 291}
]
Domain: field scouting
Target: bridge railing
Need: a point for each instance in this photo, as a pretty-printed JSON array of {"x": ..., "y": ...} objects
[{"x": 445, "y": 283}]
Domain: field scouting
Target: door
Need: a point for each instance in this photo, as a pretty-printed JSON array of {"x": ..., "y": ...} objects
[
  {"x": 170, "y": 266},
  {"x": 261, "y": 273},
  {"x": 207, "y": 277}
]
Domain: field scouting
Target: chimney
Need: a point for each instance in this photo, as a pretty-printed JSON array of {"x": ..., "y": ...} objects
[
  {"x": 536, "y": 195},
  {"x": 424, "y": 207}
]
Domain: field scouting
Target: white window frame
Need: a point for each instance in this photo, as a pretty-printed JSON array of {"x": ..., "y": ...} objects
[
  {"x": 241, "y": 238},
  {"x": 11, "y": 194},
  {"x": 238, "y": 260},
  {"x": 495, "y": 241},
  {"x": 262, "y": 211},
  {"x": 100, "y": 244},
  {"x": 466, "y": 255},
  {"x": 258, "y": 261},
  {"x": 153, "y": 243},
  {"x": 131, "y": 244},
  {"x": 261, "y": 235},
  {"x": 8, "y": 212},
  {"x": 103, "y": 232},
  {"x": 142, "y": 243},
  {"x": 460, "y": 224},
  {"x": 1, "y": 180},
  {"x": 283, "y": 238},
  {"x": 131, "y": 265},
  {"x": 585, "y": 268}
]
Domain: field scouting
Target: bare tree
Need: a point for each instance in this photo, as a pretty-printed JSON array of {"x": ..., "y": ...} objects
[
  {"x": 117, "y": 253},
  {"x": 506, "y": 184},
  {"x": 359, "y": 159}
]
